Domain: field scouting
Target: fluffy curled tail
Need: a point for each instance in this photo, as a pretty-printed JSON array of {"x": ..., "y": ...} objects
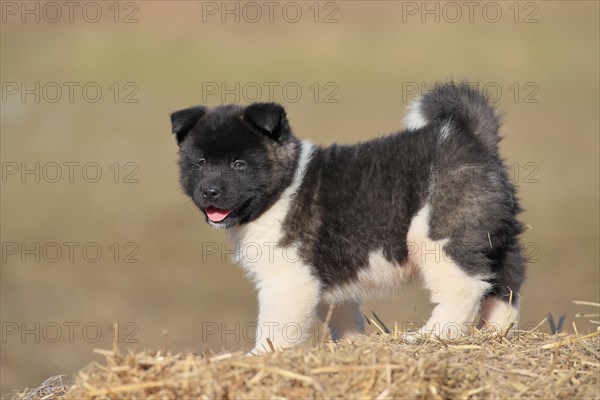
[{"x": 457, "y": 106}]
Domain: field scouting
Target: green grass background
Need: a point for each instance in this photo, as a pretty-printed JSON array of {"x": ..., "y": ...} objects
[{"x": 369, "y": 54}]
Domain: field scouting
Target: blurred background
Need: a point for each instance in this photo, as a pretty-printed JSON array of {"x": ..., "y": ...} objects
[{"x": 95, "y": 229}]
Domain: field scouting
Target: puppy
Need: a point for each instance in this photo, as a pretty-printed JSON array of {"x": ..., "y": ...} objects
[{"x": 315, "y": 226}]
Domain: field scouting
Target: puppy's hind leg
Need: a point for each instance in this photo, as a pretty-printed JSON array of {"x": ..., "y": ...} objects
[
  {"x": 457, "y": 294},
  {"x": 498, "y": 313},
  {"x": 346, "y": 320},
  {"x": 500, "y": 310}
]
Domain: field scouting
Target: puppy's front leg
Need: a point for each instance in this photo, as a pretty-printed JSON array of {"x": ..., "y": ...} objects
[{"x": 287, "y": 300}]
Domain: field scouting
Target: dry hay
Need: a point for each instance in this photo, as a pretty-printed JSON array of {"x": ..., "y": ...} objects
[
  {"x": 51, "y": 388},
  {"x": 528, "y": 364}
]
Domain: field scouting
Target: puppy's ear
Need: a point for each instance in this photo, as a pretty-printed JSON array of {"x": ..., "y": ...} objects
[
  {"x": 270, "y": 118},
  {"x": 183, "y": 120}
]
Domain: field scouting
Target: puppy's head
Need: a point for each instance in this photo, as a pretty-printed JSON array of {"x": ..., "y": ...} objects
[{"x": 234, "y": 160}]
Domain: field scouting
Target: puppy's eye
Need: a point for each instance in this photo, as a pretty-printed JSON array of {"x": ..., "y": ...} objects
[
  {"x": 201, "y": 162},
  {"x": 239, "y": 164}
]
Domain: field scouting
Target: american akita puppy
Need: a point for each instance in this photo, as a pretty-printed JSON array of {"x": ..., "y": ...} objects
[{"x": 331, "y": 225}]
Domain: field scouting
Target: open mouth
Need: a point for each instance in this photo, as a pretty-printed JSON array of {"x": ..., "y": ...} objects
[{"x": 216, "y": 215}]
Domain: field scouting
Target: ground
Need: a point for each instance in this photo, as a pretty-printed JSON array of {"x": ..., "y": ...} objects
[{"x": 497, "y": 365}]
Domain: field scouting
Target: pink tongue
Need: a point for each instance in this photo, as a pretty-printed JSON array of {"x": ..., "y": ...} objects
[{"x": 216, "y": 215}]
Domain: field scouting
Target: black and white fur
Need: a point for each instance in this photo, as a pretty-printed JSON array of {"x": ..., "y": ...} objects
[{"x": 333, "y": 225}]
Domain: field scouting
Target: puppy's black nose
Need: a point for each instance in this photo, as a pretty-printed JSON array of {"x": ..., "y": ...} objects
[{"x": 211, "y": 192}]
